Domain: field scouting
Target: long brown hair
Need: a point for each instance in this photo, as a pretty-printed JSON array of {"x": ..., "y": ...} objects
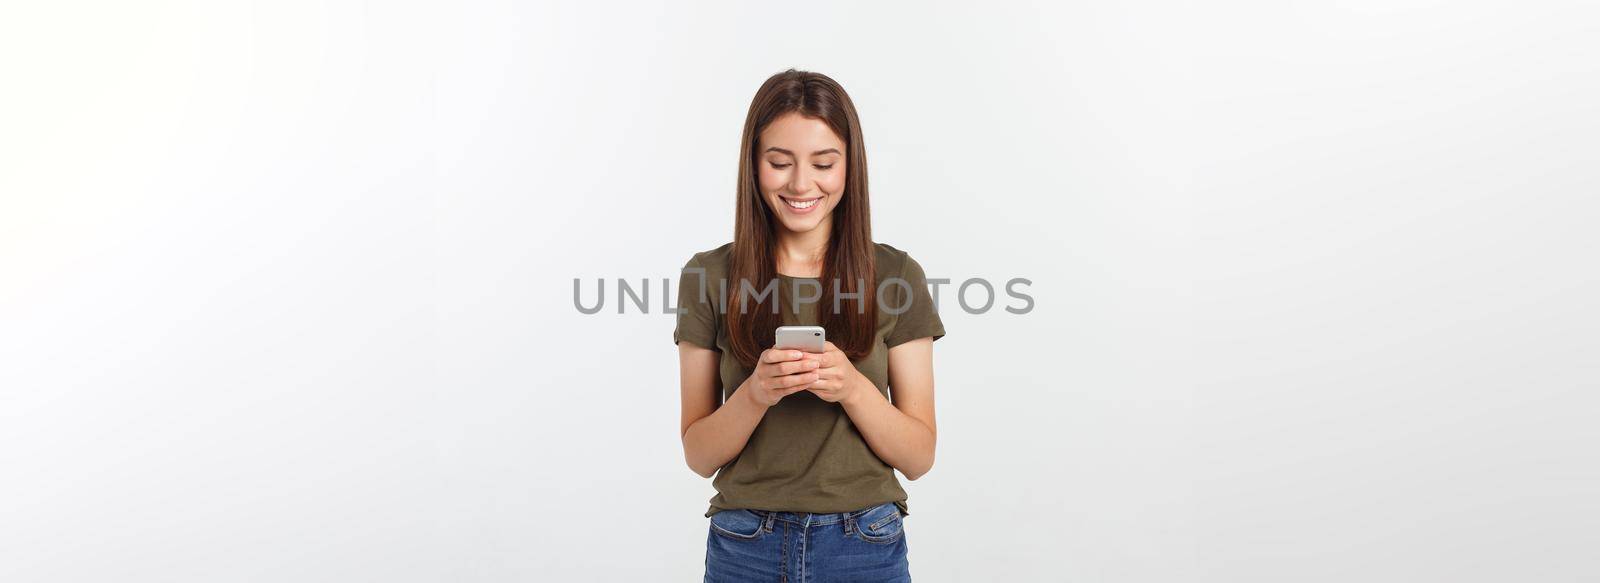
[{"x": 850, "y": 253}]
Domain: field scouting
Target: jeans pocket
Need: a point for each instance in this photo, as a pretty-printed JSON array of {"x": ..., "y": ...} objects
[
  {"x": 881, "y": 524},
  {"x": 738, "y": 524}
]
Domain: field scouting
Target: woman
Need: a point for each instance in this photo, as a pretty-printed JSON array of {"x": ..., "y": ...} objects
[{"x": 804, "y": 444}]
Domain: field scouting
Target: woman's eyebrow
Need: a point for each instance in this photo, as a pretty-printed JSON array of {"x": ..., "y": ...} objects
[{"x": 816, "y": 153}]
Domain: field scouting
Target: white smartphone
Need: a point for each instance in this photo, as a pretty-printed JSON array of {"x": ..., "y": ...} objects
[{"x": 807, "y": 338}]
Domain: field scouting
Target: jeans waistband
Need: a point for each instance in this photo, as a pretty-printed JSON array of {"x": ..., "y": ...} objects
[{"x": 811, "y": 518}]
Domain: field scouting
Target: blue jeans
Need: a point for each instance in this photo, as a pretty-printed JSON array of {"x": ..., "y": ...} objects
[{"x": 801, "y": 547}]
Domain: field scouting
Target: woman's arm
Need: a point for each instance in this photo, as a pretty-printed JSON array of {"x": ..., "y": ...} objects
[
  {"x": 904, "y": 433},
  {"x": 713, "y": 435}
]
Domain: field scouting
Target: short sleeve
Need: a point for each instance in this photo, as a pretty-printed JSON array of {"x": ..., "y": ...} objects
[
  {"x": 697, "y": 321},
  {"x": 921, "y": 318}
]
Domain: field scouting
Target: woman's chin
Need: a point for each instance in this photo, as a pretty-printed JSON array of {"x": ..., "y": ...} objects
[{"x": 801, "y": 226}]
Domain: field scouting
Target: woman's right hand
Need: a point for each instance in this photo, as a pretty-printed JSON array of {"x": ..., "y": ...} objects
[{"x": 780, "y": 373}]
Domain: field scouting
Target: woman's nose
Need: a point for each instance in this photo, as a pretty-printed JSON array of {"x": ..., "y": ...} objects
[{"x": 800, "y": 182}]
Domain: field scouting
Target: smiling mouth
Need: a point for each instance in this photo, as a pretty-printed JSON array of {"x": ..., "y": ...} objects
[{"x": 801, "y": 204}]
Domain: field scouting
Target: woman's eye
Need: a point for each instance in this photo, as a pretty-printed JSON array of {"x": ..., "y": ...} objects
[
  {"x": 777, "y": 166},
  {"x": 821, "y": 167}
]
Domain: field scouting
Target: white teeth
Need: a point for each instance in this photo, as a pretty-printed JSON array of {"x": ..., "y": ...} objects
[{"x": 802, "y": 205}]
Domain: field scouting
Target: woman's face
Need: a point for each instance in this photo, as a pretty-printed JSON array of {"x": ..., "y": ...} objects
[{"x": 800, "y": 168}]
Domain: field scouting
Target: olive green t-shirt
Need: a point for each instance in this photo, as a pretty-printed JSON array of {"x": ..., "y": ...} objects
[{"x": 805, "y": 455}]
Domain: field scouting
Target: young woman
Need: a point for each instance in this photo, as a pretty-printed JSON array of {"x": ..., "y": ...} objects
[{"x": 804, "y": 444}]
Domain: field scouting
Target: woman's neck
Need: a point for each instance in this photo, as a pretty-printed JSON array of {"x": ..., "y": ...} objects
[{"x": 800, "y": 254}]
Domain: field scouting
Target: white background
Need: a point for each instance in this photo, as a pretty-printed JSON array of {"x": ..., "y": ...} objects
[{"x": 286, "y": 287}]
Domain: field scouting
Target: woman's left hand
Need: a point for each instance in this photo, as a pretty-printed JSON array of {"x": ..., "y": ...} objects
[{"x": 837, "y": 378}]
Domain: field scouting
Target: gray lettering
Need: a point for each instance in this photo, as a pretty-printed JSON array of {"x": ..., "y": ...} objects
[
  {"x": 910, "y": 296},
  {"x": 745, "y": 288},
  {"x": 1019, "y": 295},
  {"x": 600, "y": 299},
  {"x": 935, "y": 283},
  {"x": 800, "y": 299},
  {"x": 961, "y": 295},
  {"x": 861, "y": 306},
  {"x": 642, "y": 301}
]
